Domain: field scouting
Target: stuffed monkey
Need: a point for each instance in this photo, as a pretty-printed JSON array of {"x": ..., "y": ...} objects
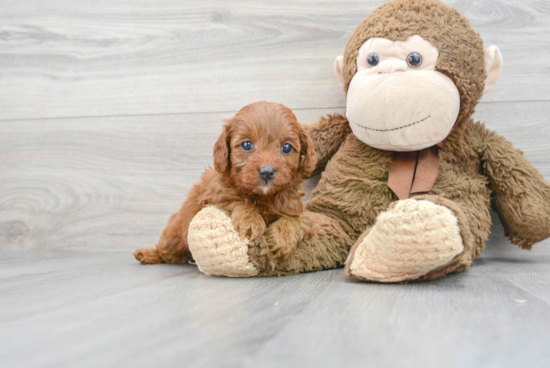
[{"x": 407, "y": 176}]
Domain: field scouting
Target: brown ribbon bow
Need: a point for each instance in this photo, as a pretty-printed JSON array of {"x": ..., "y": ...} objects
[{"x": 413, "y": 172}]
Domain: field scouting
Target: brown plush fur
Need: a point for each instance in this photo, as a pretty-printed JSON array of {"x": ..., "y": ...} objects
[
  {"x": 476, "y": 164},
  {"x": 235, "y": 185}
]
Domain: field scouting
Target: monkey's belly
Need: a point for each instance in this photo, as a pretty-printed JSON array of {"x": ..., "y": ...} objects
[{"x": 354, "y": 189}]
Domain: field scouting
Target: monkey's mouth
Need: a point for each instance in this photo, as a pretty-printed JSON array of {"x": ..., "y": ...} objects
[{"x": 392, "y": 129}]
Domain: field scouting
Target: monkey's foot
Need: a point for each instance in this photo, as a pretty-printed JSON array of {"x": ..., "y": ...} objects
[
  {"x": 216, "y": 247},
  {"x": 418, "y": 238}
]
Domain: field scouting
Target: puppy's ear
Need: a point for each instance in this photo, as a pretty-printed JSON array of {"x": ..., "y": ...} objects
[
  {"x": 221, "y": 150},
  {"x": 308, "y": 157}
]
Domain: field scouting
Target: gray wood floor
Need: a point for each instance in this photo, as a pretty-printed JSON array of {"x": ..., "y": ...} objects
[
  {"x": 71, "y": 309},
  {"x": 108, "y": 114}
]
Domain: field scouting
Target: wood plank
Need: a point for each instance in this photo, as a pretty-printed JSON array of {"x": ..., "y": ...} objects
[
  {"x": 102, "y": 58},
  {"x": 114, "y": 312},
  {"x": 111, "y": 183}
]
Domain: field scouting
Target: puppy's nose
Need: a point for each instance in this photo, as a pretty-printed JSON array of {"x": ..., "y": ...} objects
[{"x": 267, "y": 173}]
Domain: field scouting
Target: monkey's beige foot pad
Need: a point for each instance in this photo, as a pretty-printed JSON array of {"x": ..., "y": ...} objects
[
  {"x": 407, "y": 242},
  {"x": 216, "y": 247}
]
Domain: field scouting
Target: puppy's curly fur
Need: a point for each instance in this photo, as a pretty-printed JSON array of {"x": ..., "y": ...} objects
[{"x": 235, "y": 184}]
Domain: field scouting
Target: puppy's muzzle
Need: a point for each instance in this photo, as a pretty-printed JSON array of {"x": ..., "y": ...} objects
[{"x": 267, "y": 173}]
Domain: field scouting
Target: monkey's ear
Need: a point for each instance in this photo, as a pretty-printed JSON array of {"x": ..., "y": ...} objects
[
  {"x": 338, "y": 66},
  {"x": 493, "y": 66},
  {"x": 221, "y": 150}
]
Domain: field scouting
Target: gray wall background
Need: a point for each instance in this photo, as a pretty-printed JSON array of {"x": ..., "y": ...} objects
[{"x": 109, "y": 109}]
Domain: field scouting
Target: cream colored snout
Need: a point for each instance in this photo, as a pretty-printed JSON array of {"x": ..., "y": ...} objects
[{"x": 397, "y": 110}]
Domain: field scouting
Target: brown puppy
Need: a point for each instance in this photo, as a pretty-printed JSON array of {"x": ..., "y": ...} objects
[{"x": 260, "y": 160}]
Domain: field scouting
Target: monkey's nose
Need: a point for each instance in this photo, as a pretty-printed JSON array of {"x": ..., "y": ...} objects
[
  {"x": 267, "y": 173},
  {"x": 391, "y": 66}
]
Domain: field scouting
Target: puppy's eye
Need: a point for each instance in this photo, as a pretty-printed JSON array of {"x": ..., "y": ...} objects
[
  {"x": 373, "y": 59},
  {"x": 286, "y": 148},
  {"x": 414, "y": 59},
  {"x": 247, "y": 146}
]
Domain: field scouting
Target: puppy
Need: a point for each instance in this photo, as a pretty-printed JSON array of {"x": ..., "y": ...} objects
[{"x": 260, "y": 160}]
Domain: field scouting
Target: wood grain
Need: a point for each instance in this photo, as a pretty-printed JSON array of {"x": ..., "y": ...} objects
[
  {"x": 112, "y": 183},
  {"x": 81, "y": 58},
  {"x": 108, "y": 114},
  {"x": 99, "y": 309}
]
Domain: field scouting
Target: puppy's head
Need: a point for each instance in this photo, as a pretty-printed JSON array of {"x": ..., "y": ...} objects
[{"x": 264, "y": 149}]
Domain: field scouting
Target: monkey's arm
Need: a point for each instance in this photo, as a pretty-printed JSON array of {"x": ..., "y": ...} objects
[
  {"x": 522, "y": 196},
  {"x": 327, "y": 136}
]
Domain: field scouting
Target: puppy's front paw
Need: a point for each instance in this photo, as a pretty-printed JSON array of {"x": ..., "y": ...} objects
[
  {"x": 249, "y": 224},
  {"x": 283, "y": 236},
  {"x": 281, "y": 244}
]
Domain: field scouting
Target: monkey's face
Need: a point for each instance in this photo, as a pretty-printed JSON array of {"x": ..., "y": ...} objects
[{"x": 397, "y": 101}]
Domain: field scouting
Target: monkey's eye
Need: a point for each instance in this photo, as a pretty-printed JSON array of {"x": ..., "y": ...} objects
[
  {"x": 286, "y": 148},
  {"x": 373, "y": 59},
  {"x": 414, "y": 59},
  {"x": 247, "y": 146}
]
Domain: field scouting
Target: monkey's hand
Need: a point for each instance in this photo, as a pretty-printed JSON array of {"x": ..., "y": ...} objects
[
  {"x": 247, "y": 222},
  {"x": 283, "y": 235}
]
